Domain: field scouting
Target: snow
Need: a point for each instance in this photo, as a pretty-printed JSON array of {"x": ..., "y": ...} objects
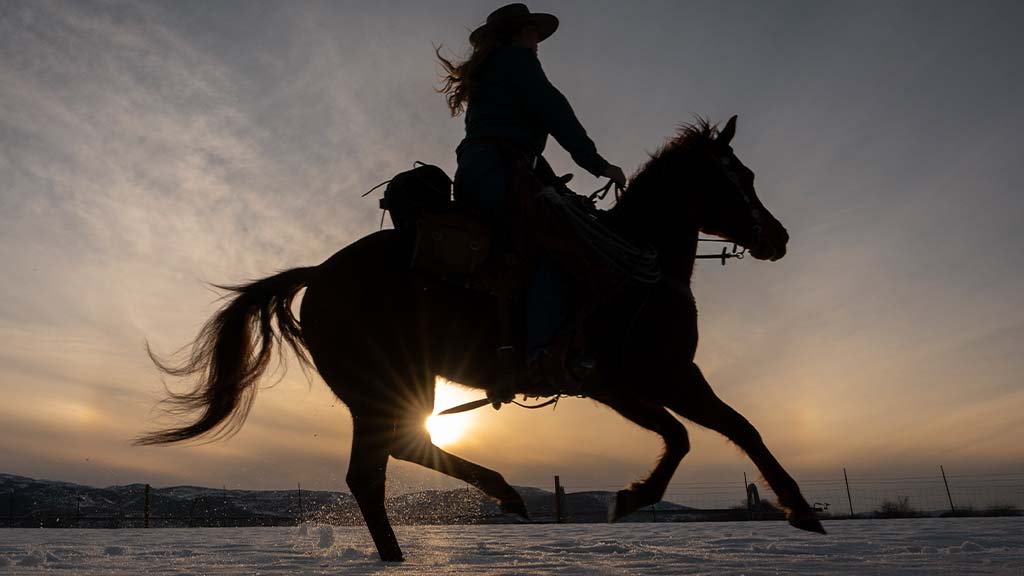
[{"x": 889, "y": 547}]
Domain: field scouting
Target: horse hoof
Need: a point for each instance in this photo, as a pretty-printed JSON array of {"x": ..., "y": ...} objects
[
  {"x": 514, "y": 506},
  {"x": 806, "y": 521},
  {"x": 392, "y": 557},
  {"x": 626, "y": 502}
]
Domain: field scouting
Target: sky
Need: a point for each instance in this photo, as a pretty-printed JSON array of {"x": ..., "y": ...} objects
[{"x": 149, "y": 149}]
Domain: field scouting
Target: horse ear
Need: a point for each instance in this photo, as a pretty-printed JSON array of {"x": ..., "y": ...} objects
[{"x": 725, "y": 134}]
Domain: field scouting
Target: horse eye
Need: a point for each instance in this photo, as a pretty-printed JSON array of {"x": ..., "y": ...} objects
[
  {"x": 755, "y": 213},
  {"x": 725, "y": 161}
]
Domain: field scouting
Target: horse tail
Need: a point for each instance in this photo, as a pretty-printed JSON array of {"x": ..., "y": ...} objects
[{"x": 229, "y": 355}]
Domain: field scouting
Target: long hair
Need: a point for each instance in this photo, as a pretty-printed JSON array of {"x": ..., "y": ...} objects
[{"x": 459, "y": 79}]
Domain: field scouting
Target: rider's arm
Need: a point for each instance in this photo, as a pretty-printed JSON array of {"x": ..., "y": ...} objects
[{"x": 557, "y": 116}]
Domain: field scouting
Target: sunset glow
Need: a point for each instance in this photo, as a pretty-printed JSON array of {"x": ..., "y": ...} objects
[
  {"x": 449, "y": 429},
  {"x": 150, "y": 150}
]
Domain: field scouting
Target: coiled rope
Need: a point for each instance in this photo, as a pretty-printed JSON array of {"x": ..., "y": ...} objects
[{"x": 638, "y": 263}]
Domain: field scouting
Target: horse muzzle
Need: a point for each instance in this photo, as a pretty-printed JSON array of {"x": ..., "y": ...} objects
[{"x": 769, "y": 242}]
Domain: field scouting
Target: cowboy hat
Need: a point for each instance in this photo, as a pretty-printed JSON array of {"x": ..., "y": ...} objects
[{"x": 512, "y": 16}]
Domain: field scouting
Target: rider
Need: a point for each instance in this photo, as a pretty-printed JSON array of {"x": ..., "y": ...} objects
[{"x": 511, "y": 108}]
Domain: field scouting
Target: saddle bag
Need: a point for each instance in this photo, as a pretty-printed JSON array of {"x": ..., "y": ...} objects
[
  {"x": 426, "y": 187},
  {"x": 450, "y": 243}
]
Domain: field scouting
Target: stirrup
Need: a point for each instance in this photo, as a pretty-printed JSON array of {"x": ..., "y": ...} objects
[{"x": 503, "y": 393}]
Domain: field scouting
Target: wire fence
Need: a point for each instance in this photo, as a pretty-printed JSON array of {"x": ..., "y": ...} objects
[
  {"x": 860, "y": 496},
  {"x": 846, "y": 496}
]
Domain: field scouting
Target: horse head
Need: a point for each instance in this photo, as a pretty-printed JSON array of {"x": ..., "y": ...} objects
[
  {"x": 696, "y": 183},
  {"x": 731, "y": 208}
]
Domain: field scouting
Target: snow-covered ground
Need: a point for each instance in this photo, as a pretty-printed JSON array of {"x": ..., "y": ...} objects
[{"x": 923, "y": 546}]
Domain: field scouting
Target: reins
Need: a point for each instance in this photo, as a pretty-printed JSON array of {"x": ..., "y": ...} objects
[
  {"x": 601, "y": 192},
  {"x": 737, "y": 252}
]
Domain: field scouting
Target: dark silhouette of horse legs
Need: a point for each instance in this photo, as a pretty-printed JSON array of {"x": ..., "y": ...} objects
[
  {"x": 376, "y": 437},
  {"x": 677, "y": 443},
  {"x": 697, "y": 402},
  {"x": 367, "y": 470},
  {"x": 413, "y": 444}
]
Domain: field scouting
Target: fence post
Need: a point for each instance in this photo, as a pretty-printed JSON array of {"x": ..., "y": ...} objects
[
  {"x": 558, "y": 501},
  {"x": 746, "y": 490},
  {"x": 948, "y": 495},
  {"x": 10, "y": 508},
  {"x": 848, "y": 497},
  {"x": 302, "y": 513},
  {"x": 145, "y": 509}
]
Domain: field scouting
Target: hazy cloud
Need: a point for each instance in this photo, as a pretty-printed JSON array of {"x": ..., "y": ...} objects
[{"x": 147, "y": 148}]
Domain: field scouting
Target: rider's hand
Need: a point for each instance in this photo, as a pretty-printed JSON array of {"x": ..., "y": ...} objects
[{"x": 616, "y": 175}]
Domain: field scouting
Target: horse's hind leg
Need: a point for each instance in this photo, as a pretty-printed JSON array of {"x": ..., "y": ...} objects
[
  {"x": 413, "y": 444},
  {"x": 677, "y": 443},
  {"x": 366, "y": 476},
  {"x": 697, "y": 402}
]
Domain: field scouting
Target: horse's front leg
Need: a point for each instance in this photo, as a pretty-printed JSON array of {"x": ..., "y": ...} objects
[
  {"x": 696, "y": 401},
  {"x": 677, "y": 443}
]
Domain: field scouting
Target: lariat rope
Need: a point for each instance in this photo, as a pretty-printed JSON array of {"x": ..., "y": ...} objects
[{"x": 639, "y": 263}]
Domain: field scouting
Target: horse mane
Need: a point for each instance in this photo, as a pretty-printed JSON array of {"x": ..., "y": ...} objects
[
  {"x": 645, "y": 182},
  {"x": 688, "y": 135}
]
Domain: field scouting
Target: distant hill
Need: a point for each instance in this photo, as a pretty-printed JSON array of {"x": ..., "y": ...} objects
[{"x": 28, "y": 502}]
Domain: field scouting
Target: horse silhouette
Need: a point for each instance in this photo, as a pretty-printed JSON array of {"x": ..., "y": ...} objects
[{"x": 379, "y": 340}]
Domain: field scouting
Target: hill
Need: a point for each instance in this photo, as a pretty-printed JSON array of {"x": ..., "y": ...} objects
[{"x": 28, "y": 502}]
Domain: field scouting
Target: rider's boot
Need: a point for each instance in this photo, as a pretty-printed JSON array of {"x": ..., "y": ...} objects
[
  {"x": 509, "y": 359},
  {"x": 509, "y": 376}
]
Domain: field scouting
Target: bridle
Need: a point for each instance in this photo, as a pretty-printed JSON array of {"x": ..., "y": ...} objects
[{"x": 724, "y": 164}]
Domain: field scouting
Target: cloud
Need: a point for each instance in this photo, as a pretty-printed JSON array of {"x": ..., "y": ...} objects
[
  {"x": 148, "y": 148},
  {"x": 132, "y": 174}
]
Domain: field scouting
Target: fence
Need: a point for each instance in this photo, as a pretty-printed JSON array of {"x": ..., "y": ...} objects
[
  {"x": 843, "y": 496},
  {"x": 847, "y": 495},
  {"x": 68, "y": 506}
]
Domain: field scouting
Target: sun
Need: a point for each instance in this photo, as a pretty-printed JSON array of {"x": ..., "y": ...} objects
[{"x": 448, "y": 430}]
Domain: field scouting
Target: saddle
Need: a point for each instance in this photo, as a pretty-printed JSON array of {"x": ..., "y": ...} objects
[{"x": 451, "y": 244}]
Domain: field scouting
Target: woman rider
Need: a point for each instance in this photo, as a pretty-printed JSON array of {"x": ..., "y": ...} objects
[{"x": 511, "y": 108}]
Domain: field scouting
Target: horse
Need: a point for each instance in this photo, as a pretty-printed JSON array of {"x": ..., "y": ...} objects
[{"x": 379, "y": 340}]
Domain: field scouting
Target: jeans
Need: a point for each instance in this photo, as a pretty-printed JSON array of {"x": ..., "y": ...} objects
[{"x": 482, "y": 181}]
